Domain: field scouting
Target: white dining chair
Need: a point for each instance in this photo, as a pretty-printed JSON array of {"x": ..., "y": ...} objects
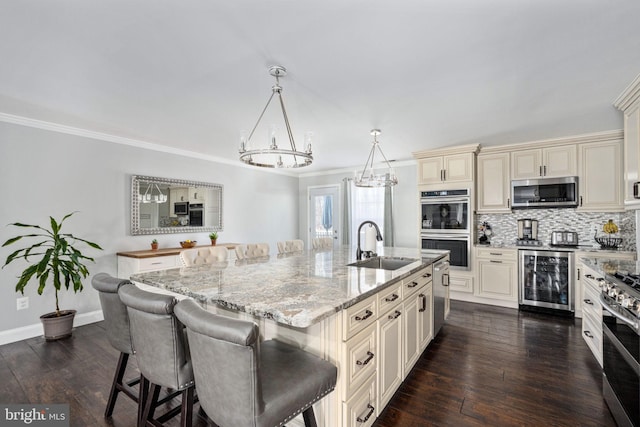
[
  {"x": 252, "y": 250},
  {"x": 322, "y": 243},
  {"x": 207, "y": 255},
  {"x": 289, "y": 246}
]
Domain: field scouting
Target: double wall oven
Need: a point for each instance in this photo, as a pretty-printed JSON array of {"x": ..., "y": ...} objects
[{"x": 446, "y": 218}]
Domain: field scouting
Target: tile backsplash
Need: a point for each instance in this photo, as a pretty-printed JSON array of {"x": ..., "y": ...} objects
[{"x": 505, "y": 226}]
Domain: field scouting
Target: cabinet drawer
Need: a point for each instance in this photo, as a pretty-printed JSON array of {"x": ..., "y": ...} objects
[
  {"x": 497, "y": 254},
  {"x": 360, "y": 410},
  {"x": 461, "y": 283},
  {"x": 360, "y": 359},
  {"x": 411, "y": 284},
  {"x": 158, "y": 263},
  {"x": 592, "y": 334},
  {"x": 390, "y": 297},
  {"x": 359, "y": 316},
  {"x": 591, "y": 302}
]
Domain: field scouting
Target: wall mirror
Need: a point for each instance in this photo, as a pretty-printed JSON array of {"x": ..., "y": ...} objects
[{"x": 165, "y": 205}]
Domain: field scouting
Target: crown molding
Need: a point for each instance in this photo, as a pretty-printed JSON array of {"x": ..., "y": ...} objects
[
  {"x": 447, "y": 151},
  {"x": 100, "y": 136},
  {"x": 629, "y": 96},
  {"x": 611, "y": 135}
]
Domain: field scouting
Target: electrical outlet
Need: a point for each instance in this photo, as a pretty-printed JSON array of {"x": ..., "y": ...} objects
[{"x": 22, "y": 303}]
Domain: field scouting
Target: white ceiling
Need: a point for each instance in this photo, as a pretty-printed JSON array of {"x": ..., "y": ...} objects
[{"x": 192, "y": 74}]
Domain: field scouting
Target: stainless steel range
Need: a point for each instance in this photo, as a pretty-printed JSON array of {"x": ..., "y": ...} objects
[{"x": 620, "y": 299}]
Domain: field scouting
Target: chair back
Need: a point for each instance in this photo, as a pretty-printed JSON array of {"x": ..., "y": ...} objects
[
  {"x": 225, "y": 354},
  {"x": 116, "y": 318},
  {"x": 159, "y": 339},
  {"x": 322, "y": 243},
  {"x": 289, "y": 246},
  {"x": 199, "y": 256},
  {"x": 252, "y": 250}
]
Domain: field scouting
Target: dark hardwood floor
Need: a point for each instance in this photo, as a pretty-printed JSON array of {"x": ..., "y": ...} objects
[{"x": 489, "y": 366}]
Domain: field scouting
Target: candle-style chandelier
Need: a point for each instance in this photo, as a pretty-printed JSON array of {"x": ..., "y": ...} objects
[
  {"x": 369, "y": 176},
  {"x": 273, "y": 156}
]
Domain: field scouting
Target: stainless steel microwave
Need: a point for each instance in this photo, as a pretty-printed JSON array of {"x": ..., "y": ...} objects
[
  {"x": 545, "y": 193},
  {"x": 181, "y": 208}
]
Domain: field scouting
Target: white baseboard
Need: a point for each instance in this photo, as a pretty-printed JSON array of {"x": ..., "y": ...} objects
[{"x": 19, "y": 334}]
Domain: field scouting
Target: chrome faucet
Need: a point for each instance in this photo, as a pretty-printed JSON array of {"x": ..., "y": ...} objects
[{"x": 360, "y": 252}]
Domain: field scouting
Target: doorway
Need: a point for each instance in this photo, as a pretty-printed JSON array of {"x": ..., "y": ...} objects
[{"x": 324, "y": 213}]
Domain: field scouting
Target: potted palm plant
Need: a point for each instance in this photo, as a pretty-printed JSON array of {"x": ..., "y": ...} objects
[{"x": 53, "y": 258}]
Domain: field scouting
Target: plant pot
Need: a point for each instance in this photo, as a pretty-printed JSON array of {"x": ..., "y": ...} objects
[
  {"x": 154, "y": 246},
  {"x": 57, "y": 327},
  {"x": 213, "y": 242}
]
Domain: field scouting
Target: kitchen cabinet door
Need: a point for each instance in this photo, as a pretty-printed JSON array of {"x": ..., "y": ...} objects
[
  {"x": 600, "y": 180},
  {"x": 389, "y": 362},
  {"x": 411, "y": 333},
  {"x": 548, "y": 162},
  {"x": 440, "y": 169},
  {"x": 425, "y": 316},
  {"x": 497, "y": 272},
  {"x": 494, "y": 183}
]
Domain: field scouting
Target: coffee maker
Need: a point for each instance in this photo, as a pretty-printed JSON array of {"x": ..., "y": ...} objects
[{"x": 528, "y": 232}]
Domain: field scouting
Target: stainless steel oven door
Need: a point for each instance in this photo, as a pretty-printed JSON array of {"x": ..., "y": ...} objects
[
  {"x": 446, "y": 215},
  {"x": 620, "y": 353},
  {"x": 458, "y": 245}
]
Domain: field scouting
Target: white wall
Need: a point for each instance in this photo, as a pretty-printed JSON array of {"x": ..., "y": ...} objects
[
  {"x": 46, "y": 173},
  {"x": 405, "y": 213}
]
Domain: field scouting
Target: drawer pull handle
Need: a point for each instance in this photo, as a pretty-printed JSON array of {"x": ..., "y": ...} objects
[
  {"x": 366, "y": 417},
  {"x": 367, "y": 314},
  {"x": 589, "y": 334},
  {"x": 588, "y": 301},
  {"x": 495, "y": 253},
  {"x": 424, "y": 303},
  {"x": 395, "y": 315},
  {"x": 588, "y": 276},
  {"x": 393, "y": 297},
  {"x": 495, "y": 262},
  {"x": 156, "y": 263},
  {"x": 427, "y": 275},
  {"x": 412, "y": 285},
  {"x": 365, "y": 361}
]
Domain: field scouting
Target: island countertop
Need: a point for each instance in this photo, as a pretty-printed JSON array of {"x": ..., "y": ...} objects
[{"x": 298, "y": 290}]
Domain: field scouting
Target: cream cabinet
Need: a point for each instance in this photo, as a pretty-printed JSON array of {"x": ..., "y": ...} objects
[
  {"x": 390, "y": 362},
  {"x": 178, "y": 194},
  {"x": 545, "y": 162},
  {"x": 494, "y": 183},
  {"x": 451, "y": 168},
  {"x": 197, "y": 195},
  {"x": 592, "y": 312},
  {"x": 128, "y": 266},
  {"x": 600, "y": 180},
  {"x": 497, "y": 273},
  {"x": 629, "y": 103}
]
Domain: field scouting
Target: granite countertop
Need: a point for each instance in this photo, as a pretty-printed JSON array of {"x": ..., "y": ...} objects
[
  {"x": 596, "y": 249},
  {"x": 299, "y": 290},
  {"x": 604, "y": 265}
]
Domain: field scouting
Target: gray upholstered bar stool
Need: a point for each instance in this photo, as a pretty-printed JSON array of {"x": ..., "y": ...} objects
[
  {"x": 243, "y": 382},
  {"x": 116, "y": 321},
  {"x": 161, "y": 350}
]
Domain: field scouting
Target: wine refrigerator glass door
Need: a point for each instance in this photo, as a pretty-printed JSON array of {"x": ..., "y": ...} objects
[{"x": 546, "y": 279}]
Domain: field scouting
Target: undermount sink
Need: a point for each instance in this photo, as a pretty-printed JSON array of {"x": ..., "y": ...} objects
[{"x": 383, "y": 263}]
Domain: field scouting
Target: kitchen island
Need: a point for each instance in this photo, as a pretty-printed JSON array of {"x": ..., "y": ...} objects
[{"x": 372, "y": 323}]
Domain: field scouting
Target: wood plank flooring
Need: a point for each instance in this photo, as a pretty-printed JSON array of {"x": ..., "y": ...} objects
[{"x": 489, "y": 366}]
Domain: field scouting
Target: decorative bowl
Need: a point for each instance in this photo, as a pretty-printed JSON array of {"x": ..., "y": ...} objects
[
  {"x": 189, "y": 244},
  {"x": 609, "y": 242}
]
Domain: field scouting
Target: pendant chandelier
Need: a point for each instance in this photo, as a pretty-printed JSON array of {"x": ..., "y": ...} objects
[
  {"x": 273, "y": 156},
  {"x": 149, "y": 197},
  {"x": 369, "y": 176}
]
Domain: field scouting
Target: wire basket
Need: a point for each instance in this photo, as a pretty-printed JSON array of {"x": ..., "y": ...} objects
[{"x": 609, "y": 242}]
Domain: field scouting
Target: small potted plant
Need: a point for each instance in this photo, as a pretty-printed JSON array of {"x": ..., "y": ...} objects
[
  {"x": 53, "y": 258},
  {"x": 154, "y": 245},
  {"x": 214, "y": 237}
]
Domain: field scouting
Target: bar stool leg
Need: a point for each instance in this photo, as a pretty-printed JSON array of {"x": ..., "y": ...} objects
[
  {"x": 116, "y": 386},
  {"x": 186, "y": 414},
  {"x": 309, "y": 417}
]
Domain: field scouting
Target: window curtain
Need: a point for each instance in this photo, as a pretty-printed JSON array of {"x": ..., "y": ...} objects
[
  {"x": 346, "y": 211},
  {"x": 388, "y": 217}
]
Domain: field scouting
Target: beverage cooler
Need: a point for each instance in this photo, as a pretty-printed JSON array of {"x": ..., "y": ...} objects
[{"x": 546, "y": 281}]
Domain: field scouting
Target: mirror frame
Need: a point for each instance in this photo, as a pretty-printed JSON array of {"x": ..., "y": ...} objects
[{"x": 136, "y": 230}]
